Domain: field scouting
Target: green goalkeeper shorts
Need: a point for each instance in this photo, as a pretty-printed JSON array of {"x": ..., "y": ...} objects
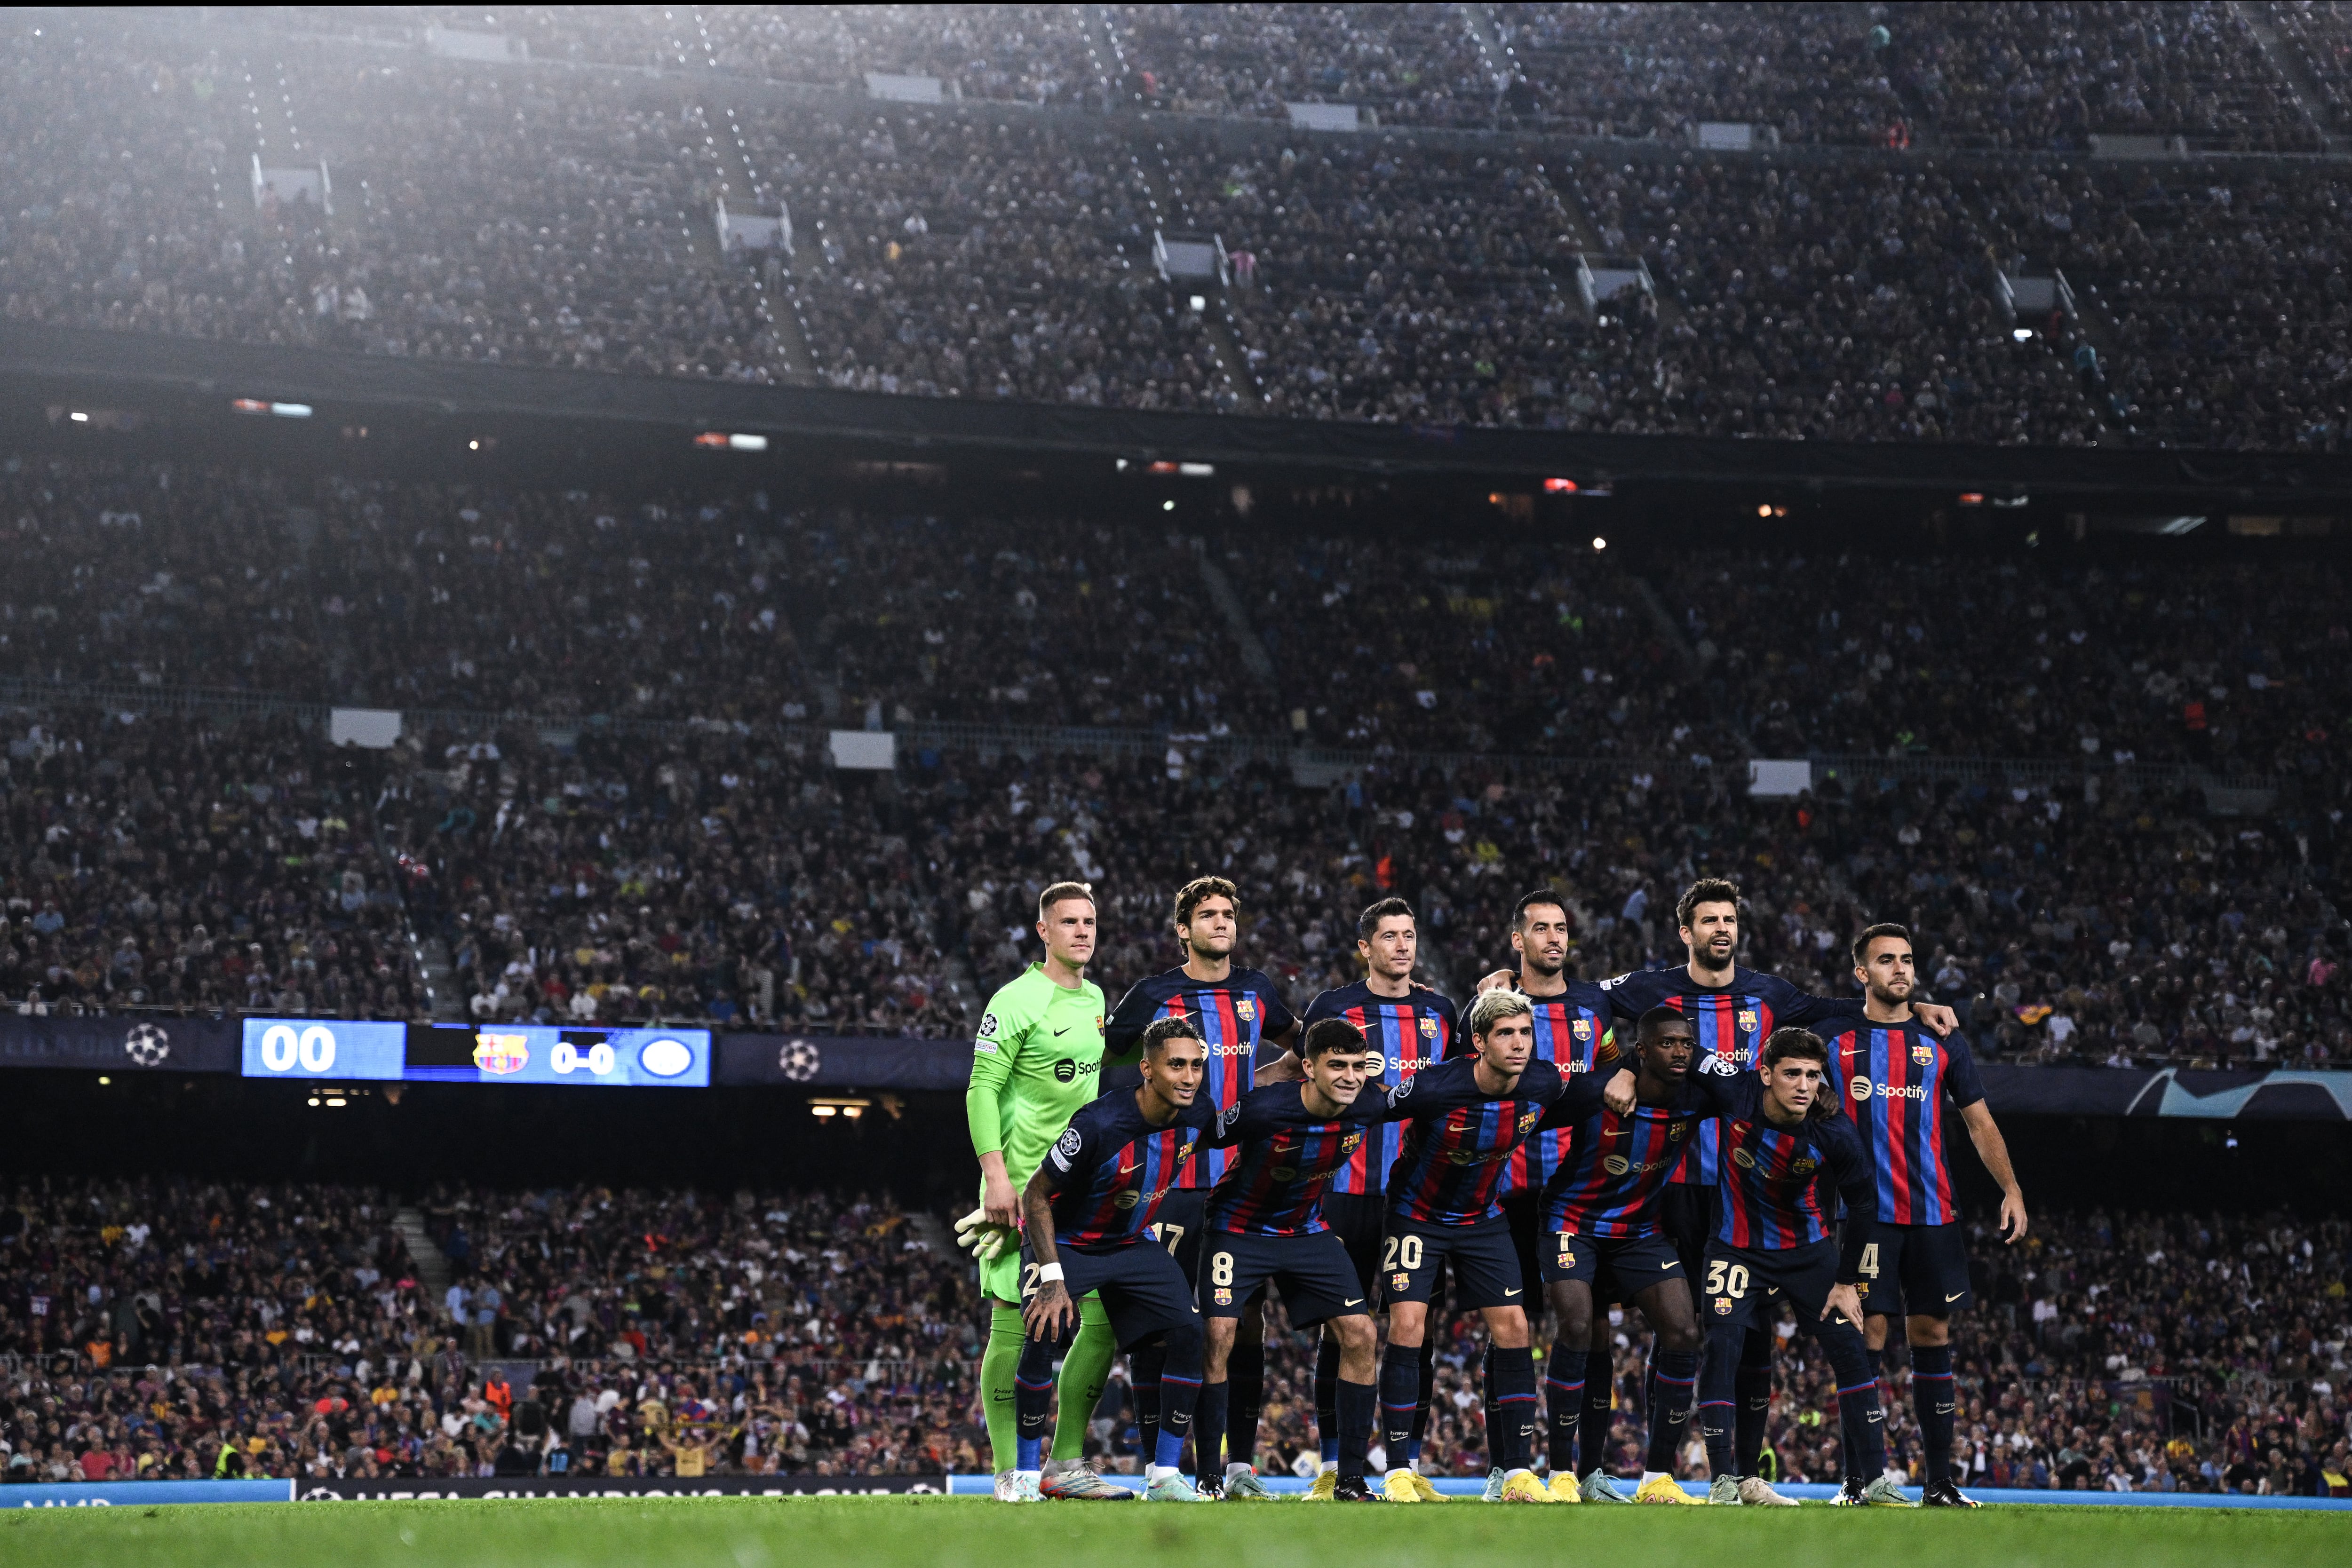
[{"x": 1000, "y": 1278}]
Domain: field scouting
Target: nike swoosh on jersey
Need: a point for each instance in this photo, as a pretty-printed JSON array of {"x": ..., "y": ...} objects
[
  {"x": 1059, "y": 1032},
  {"x": 1510, "y": 1292},
  {"x": 1356, "y": 1302},
  {"x": 1956, "y": 1295}
]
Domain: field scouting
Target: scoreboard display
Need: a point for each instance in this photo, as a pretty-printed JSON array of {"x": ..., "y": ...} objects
[{"x": 470, "y": 1053}]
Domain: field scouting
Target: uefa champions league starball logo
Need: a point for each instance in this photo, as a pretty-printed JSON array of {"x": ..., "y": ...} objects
[
  {"x": 798, "y": 1060},
  {"x": 147, "y": 1045}
]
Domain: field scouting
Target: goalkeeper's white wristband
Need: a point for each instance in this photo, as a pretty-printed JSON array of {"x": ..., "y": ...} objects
[{"x": 1049, "y": 1272}]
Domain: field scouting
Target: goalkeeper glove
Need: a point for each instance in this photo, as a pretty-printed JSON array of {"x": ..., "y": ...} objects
[{"x": 984, "y": 1239}]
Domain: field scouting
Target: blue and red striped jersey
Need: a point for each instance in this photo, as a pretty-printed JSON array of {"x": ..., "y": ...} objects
[
  {"x": 1733, "y": 1022},
  {"x": 1571, "y": 1030},
  {"x": 1234, "y": 1014},
  {"x": 1896, "y": 1078},
  {"x": 1110, "y": 1168},
  {"x": 1617, "y": 1165},
  {"x": 1771, "y": 1181},
  {"x": 1406, "y": 1034},
  {"x": 1286, "y": 1158},
  {"x": 1460, "y": 1139}
]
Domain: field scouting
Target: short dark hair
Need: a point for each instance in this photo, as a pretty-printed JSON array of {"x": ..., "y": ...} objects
[
  {"x": 1387, "y": 908},
  {"x": 1873, "y": 933},
  {"x": 1802, "y": 1045},
  {"x": 1157, "y": 1034},
  {"x": 1529, "y": 900},
  {"x": 1060, "y": 891},
  {"x": 1201, "y": 889},
  {"x": 1659, "y": 1018},
  {"x": 1705, "y": 890},
  {"x": 1325, "y": 1036}
]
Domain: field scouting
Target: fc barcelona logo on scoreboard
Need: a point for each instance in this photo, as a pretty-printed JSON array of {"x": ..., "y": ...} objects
[{"x": 502, "y": 1053}]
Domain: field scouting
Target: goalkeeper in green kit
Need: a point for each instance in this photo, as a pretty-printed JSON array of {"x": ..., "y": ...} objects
[{"x": 1037, "y": 1059}]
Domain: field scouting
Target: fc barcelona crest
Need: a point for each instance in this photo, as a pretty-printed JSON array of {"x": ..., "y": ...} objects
[
  {"x": 1224, "y": 1296},
  {"x": 1399, "y": 1282},
  {"x": 1723, "y": 1306},
  {"x": 1246, "y": 1010},
  {"x": 1748, "y": 1020},
  {"x": 1582, "y": 1030},
  {"x": 1923, "y": 1054},
  {"x": 1428, "y": 1027}
]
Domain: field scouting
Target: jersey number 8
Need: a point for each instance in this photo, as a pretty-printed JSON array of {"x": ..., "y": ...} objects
[
  {"x": 1726, "y": 1280},
  {"x": 1221, "y": 1269},
  {"x": 1403, "y": 1252}
]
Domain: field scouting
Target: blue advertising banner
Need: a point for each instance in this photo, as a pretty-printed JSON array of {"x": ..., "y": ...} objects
[{"x": 142, "y": 1494}]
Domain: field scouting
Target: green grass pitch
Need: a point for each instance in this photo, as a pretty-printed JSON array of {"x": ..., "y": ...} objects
[{"x": 974, "y": 1532}]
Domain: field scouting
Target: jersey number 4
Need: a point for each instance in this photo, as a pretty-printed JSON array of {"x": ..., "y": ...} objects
[{"x": 1869, "y": 1264}]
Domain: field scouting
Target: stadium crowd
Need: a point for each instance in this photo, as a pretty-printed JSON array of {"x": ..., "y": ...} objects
[
  {"x": 153, "y": 1328},
  {"x": 632, "y": 846},
  {"x": 554, "y": 219},
  {"x": 156, "y": 1329}
]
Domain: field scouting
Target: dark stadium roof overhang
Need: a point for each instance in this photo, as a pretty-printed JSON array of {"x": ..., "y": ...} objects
[{"x": 180, "y": 394}]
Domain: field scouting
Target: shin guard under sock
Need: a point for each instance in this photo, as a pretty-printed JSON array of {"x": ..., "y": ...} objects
[
  {"x": 1674, "y": 1380},
  {"x": 1932, "y": 1403},
  {"x": 1352, "y": 1409},
  {"x": 1511, "y": 1411},
  {"x": 1400, "y": 1397}
]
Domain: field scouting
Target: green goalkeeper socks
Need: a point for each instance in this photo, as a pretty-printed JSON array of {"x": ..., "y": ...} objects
[
  {"x": 996, "y": 1374},
  {"x": 1085, "y": 1367}
]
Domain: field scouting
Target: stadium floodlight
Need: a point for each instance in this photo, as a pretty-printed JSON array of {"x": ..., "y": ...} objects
[
  {"x": 2023, "y": 334},
  {"x": 1196, "y": 470},
  {"x": 1200, "y": 303},
  {"x": 1561, "y": 486},
  {"x": 1166, "y": 505},
  {"x": 1599, "y": 543},
  {"x": 747, "y": 443},
  {"x": 78, "y": 417},
  {"x": 290, "y": 410}
]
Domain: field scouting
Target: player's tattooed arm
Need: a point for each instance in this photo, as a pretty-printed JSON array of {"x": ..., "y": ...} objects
[{"x": 1050, "y": 1313}]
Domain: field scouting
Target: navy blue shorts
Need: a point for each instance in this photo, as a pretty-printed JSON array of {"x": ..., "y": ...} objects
[
  {"x": 1481, "y": 1258},
  {"x": 1182, "y": 1216},
  {"x": 1359, "y": 1220},
  {"x": 1142, "y": 1289},
  {"x": 1618, "y": 1267},
  {"x": 1915, "y": 1268},
  {"x": 1313, "y": 1273},
  {"x": 1739, "y": 1282},
  {"x": 1687, "y": 1211}
]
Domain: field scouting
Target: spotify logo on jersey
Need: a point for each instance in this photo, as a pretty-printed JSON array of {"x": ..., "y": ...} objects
[{"x": 1065, "y": 1070}]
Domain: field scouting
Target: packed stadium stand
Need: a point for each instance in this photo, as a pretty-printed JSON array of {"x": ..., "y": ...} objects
[
  {"x": 312, "y": 723},
  {"x": 180, "y": 1329},
  {"x": 536, "y": 216}
]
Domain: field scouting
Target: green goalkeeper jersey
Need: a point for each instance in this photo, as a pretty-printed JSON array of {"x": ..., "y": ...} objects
[{"x": 1037, "y": 1059}]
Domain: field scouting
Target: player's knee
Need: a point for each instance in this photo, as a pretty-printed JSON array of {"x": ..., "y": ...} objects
[
  {"x": 1186, "y": 1345},
  {"x": 1507, "y": 1328},
  {"x": 1353, "y": 1331},
  {"x": 1925, "y": 1329},
  {"x": 1678, "y": 1334}
]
